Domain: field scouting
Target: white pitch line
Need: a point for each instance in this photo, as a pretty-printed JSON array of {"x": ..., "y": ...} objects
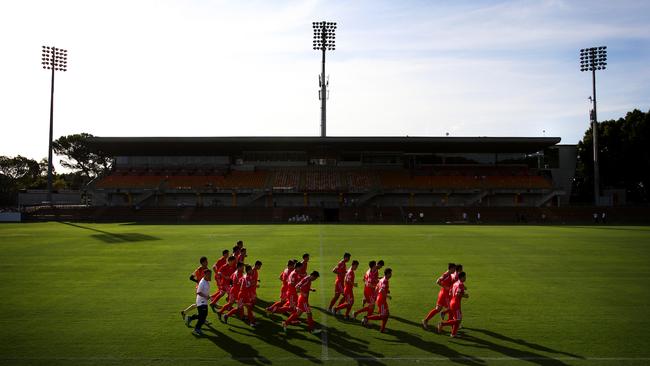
[
  {"x": 325, "y": 350},
  {"x": 261, "y": 358}
]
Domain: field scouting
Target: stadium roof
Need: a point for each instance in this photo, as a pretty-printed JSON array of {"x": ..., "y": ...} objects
[{"x": 210, "y": 146}]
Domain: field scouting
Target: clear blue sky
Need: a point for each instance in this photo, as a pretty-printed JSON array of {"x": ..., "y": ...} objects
[{"x": 237, "y": 68}]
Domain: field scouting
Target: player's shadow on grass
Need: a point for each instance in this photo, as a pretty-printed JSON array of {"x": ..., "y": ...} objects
[
  {"x": 269, "y": 332},
  {"x": 522, "y": 342},
  {"x": 437, "y": 348},
  {"x": 112, "y": 238},
  {"x": 241, "y": 352},
  {"x": 355, "y": 348},
  {"x": 514, "y": 353},
  {"x": 345, "y": 344}
]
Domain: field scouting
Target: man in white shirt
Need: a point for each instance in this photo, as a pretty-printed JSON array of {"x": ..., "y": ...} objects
[{"x": 202, "y": 300}]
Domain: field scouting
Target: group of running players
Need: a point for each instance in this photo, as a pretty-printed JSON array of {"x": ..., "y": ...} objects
[{"x": 239, "y": 281}]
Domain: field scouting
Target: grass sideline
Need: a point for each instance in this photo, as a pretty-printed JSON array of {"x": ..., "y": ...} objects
[{"x": 111, "y": 294}]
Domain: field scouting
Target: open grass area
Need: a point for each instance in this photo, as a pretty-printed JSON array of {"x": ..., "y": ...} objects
[{"x": 111, "y": 294}]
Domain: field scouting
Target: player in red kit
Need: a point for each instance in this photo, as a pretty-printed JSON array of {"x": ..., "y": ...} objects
[
  {"x": 348, "y": 290},
  {"x": 245, "y": 297},
  {"x": 370, "y": 280},
  {"x": 383, "y": 292},
  {"x": 241, "y": 258},
  {"x": 255, "y": 276},
  {"x": 284, "y": 278},
  {"x": 235, "y": 284},
  {"x": 454, "y": 278},
  {"x": 196, "y": 276},
  {"x": 340, "y": 270},
  {"x": 292, "y": 296},
  {"x": 223, "y": 278},
  {"x": 220, "y": 262},
  {"x": 304, "y": 263},
  {"x": 455, "y": 313},
  {"x": 304, "y": 287},
  {"x": 445, "y": 283}
]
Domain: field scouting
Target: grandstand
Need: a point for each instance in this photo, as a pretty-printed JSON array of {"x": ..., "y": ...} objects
[{"x": 334, "y": 172}]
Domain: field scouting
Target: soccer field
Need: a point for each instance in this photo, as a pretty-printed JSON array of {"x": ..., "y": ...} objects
[{"x": 111, "y": 294}]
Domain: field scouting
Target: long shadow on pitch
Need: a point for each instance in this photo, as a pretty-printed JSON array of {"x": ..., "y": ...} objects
[
  {"x": 335, "y": 339},
  {"x": 348, "y": 345},
  {"x": 269, "y": 332},
  {"x": 112, "y": 238},
  {"x": 522, "y": 342},
  {"x": 469, "y": 340},
  {"x": 241, "y": 352},
  {"x": 432, "y": 347}
]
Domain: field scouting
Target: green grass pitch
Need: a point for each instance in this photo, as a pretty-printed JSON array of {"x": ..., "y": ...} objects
[{"x": 110, "y": 294}]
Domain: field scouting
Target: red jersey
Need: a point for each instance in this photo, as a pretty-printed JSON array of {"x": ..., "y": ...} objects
[
  {"x": 303, "y": 268},
  {"x": 198, "y": 275},
  {"x": 254, "y": 277},
  {"x": 246, "y": 286},
  {"x": 215, "y": 268},
  {"x": 382, "y": 290},
  {"x": 241, "y": 257},
  {"x": 349, "y": 280},
  {"x": 294, "y": 278},
  {"x": 284, "y": 277},
  {"x": 226, "y": 271},
  {"x": 454, "y": 277},
  {"x": 340, "y": 271},
  {"x": 457, "y": 292},
  {"x": 235, "y": 278},
  {"x": 446, "y": 280},
  {"x": 371, "y": 278},
  {"x": 305, "y": 286}
]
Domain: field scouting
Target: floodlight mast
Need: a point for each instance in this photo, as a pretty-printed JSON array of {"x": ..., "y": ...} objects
[
  {"x": 324, "y": 40},
  {"x": 55, "y": 59},
  {"x": 592, "y": 59}
]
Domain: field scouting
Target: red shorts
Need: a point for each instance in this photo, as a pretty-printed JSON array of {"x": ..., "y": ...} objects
[
  {"x": 383, "y": 308},
  {"x": 349, "y": 296},
  {"x": 224, "y": 285},
  {"x": 455, "y": 314},
  {"x": 443, "y": 298},
  {"x": 246, "y": 300},
  {"x": 338, "y": 286},
  {"x": 233, "y": 293},
  {"x": 292, "y": 299},
  {"x": 303, "y": 304},
  {"x": 369, "y": 294}
]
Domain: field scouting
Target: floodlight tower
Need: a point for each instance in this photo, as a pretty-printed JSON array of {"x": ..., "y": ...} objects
[
  {"x": 324, "y": 40},
  {"x": 55, "y": 59},
  {"x": 592, "y": 59}
]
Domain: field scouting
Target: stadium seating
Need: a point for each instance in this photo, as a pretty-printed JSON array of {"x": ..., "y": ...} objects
[{"x": 129, "y": 181}]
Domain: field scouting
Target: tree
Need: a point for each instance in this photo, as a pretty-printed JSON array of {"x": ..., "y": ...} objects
[
  {"x": 624, "y": 151},
  {"x": 18, "y": 173},
  {"x": 19, "y": 168},
  {"x": 80, "y": 156}
]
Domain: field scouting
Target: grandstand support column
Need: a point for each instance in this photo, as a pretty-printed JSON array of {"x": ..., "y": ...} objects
[{"x": 234, "y": 199}]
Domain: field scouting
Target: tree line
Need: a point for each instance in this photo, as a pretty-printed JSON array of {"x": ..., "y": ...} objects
[
  {"x": 624, "y": 152},
  {"x": 84, "y": 162}
]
